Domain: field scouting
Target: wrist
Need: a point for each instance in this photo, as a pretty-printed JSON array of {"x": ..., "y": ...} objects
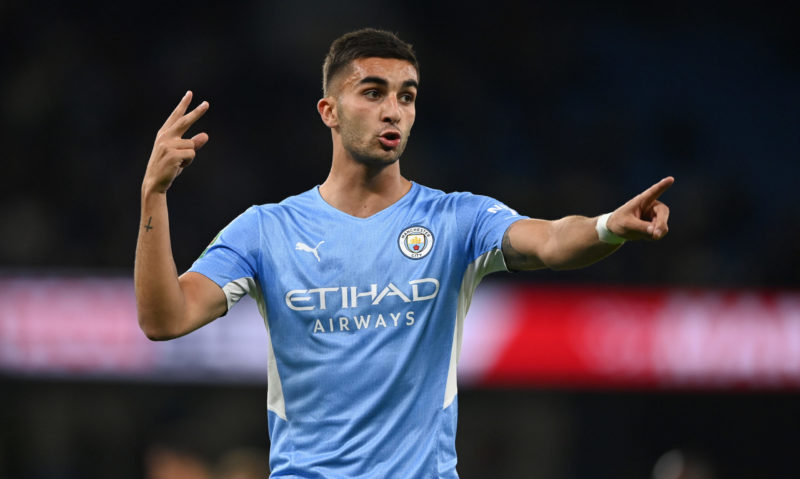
[
  {"x": 149, "y": 190},
  {"x": 604, "y": 234}
]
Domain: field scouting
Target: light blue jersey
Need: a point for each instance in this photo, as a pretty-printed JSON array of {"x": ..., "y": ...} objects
[{"x": 365, "y": 320}]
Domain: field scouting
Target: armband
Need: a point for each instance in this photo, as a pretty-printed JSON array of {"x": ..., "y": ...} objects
[{"x": 605, "y": 235}]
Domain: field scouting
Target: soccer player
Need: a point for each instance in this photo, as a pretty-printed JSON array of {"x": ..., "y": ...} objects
[{"x": 363, "y": 281}]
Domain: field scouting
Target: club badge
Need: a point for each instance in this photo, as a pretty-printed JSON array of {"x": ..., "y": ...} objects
[{"x": 415, "y": 242}]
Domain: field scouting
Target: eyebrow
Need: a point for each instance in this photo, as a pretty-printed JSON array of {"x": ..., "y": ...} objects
[{"x": 383, "y": 82}]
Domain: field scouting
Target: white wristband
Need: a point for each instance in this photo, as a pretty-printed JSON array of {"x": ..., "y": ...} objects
[{"x": 605, "y": 235}]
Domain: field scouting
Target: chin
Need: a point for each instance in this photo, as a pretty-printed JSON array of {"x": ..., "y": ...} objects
[
  {"x": 382, "y": 158},
  {"x": 377, "y": 160}
]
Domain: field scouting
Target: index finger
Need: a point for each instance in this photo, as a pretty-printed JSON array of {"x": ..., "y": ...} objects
[
  {"x": 186, "y": 121},
  {"x": 178, "y": 111},
  {"x": 652, "y": 193}
]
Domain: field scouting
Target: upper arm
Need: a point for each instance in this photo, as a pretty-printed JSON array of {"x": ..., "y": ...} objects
[
  {"x": 204, "y": 301},
  {"x": 483, "y": 221},
  {"x": 232, "y": 256},
  {"x": 523, "y": 243}
]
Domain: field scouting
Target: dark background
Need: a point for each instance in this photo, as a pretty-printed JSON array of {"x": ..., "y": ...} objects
[{"x": 554, "y": 108}]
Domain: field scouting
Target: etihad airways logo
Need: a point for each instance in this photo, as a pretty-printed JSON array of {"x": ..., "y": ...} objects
[{"x": 344, "y": 297}]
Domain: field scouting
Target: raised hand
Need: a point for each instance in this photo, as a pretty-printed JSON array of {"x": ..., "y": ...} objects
[
  {"x": 644, "y": 216},
  {"x": 171, "y": 152}
]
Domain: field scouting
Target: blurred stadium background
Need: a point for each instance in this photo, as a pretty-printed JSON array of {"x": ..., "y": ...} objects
[{"x": 688, "y": 348}]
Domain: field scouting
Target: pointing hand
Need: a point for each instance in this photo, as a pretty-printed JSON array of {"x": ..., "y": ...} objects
[{"x": 643, "y": 217}]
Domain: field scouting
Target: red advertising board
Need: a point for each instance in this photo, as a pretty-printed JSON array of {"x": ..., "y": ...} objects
[
  {"x": 521, "y": 336},
  {"x": 636, "y": 337}
]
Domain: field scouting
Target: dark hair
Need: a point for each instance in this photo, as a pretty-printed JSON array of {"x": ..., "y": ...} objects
[{"x": 364, "y": 43}]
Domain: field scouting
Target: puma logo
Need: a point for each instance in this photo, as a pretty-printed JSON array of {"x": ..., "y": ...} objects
[{"x": 308, "y": 249}]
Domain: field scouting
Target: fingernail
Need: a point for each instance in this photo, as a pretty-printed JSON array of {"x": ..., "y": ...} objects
[
  {"x": 650, "y": 229},
  {"x": 657, "y": 234}
]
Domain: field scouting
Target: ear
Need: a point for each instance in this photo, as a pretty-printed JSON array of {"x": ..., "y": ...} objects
[{"x": 327, "y": 111}]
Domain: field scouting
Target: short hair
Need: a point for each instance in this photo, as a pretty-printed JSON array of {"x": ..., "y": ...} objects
[{"x": 364, "y": 43}]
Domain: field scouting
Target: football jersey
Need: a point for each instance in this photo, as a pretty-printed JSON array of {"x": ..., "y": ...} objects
[{"x": 365, "y": 319}]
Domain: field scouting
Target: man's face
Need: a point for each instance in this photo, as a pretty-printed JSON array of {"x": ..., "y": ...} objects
[{"x": 375, "y": 108}]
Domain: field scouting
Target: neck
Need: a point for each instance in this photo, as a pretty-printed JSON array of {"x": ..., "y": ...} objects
[{"x": 361, "y": 190}]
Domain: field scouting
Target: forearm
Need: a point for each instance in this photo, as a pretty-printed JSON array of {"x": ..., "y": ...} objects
[
  {"x": 568, "y": 243},
  {"x": 159, "y": 299},
  {"x": 169, "y": 306},
  {"x": 574, "y": 243}
]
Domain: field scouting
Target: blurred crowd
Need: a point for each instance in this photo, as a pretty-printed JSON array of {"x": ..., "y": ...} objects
[{"x": 555, "y": 108}]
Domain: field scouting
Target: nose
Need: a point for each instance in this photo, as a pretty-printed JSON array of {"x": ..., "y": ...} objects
[{"x": 391, "y": 110}]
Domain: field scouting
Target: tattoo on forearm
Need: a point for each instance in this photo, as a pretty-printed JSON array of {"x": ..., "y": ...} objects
[
  {"x": 148, "y": 226},
  {"x": 514, "y": 259}
]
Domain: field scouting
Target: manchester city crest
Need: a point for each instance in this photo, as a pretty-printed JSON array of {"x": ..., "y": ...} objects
[{"x": 415, "y": 242}]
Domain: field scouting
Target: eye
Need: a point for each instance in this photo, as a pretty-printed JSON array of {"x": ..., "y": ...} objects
[
  {"x": 407, "y": 98},
  {"x": 372, "y": 94}
]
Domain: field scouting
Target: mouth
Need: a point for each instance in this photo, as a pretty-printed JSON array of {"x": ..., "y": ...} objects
[{"x": 390, "y": 139}]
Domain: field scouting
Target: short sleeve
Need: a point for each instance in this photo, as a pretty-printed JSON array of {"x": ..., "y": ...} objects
[
  {"x": 231, "y": 260},
  {"x": 486, "y": 221}
]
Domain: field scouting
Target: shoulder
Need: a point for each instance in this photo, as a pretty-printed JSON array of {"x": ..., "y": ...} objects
[
  {"x": 291, "y": 205},
  {"x": 462, "y": 201},
  {"x": 306, "y": 199},
  {"x": 427, "y": 194}
]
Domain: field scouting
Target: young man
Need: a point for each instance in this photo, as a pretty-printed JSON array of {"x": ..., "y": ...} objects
[{"x": 364, "y": 281}]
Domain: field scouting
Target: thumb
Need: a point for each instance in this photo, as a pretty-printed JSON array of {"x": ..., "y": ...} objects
[
  {"x": 630, "y": 227},
  {"x": 641, "y": 226},
  {"x": 199, "y": 140}
]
